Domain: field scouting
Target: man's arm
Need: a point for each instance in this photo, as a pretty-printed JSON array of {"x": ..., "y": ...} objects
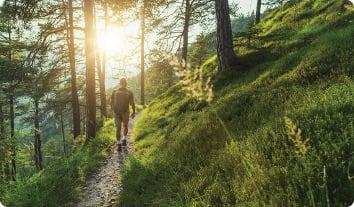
[{"x": 132, "y": 103}]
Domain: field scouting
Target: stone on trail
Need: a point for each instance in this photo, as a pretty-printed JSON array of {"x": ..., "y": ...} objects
[{"x": 104, "y": 187}]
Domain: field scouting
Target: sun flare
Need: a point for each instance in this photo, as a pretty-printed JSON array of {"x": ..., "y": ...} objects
[{"x": 118, "y": 41}]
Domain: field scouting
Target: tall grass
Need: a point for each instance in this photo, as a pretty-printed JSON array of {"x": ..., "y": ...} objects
[
  {"x": 184, "y": 156},
  {"x": 61, "y": 182}
]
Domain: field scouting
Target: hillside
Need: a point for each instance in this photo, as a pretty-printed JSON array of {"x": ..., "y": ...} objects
[{"x": 278, "y": 132}]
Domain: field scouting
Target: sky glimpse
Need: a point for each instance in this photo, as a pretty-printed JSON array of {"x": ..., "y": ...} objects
[{"x": 246, "y": 6}]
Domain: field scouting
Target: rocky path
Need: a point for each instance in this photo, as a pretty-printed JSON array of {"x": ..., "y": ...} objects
[{"x": 102, "y": 188}]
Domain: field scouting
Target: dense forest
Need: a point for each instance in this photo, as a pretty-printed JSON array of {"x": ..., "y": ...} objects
[{"x": 235, "y": 106}]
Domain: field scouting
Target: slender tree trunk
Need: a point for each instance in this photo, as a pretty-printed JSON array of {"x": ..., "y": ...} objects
[
  {"x": 37, "y": 138},
  {"x": 12, "y": 114},
  {"x": 2, "y": 119},
  {"x": 226, "y": 54},
  {"x": 71, "y": 47},
  {"x": 3, "y": 175},
  {"x": 63, "y": 133},
  {"x": 186, "y": 25},
  {"x": 7, "y": 171},
  {"x": 103, "y": 69},
  {"x": 12, "y": 134},
  {"x": 142, "y": 56},
  {"x": 90, "y": 69},
  {"x": 103, "y": 107},
  {"x": 84, "y": 121},
  {"x": 258, "y": 11}
]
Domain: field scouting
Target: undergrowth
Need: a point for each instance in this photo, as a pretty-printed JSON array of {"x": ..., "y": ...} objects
[
  {"x": 289, "y": 111},
  {"x": 61, "y": 182}
]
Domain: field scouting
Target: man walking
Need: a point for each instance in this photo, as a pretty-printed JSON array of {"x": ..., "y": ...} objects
[{"x": 120, "y": 101}]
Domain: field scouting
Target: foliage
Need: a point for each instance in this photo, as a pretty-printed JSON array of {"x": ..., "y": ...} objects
[
  {"x": 61, "y": 181},
  {"x": 297, "y": 67},
  {"x": 159, "y": 77},
  {"x": 202, "y": 49}
]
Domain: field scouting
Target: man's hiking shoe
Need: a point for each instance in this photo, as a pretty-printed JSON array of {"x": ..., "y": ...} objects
[
  {"x": 119, "y": 147},
  {"x": 124, "y": 142}
]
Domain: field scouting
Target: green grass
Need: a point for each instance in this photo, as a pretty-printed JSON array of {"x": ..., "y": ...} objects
[
  {"x": 61, "y": 181},
  {"x": 301, "y": 67}
]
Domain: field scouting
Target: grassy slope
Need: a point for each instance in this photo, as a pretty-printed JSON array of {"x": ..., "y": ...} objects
[
  {"x": 62, "y": 181},
  {"x": 300, "y": 67}
]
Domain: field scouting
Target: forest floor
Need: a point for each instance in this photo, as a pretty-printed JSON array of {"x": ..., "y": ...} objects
[{"x": 102, "y": 188}]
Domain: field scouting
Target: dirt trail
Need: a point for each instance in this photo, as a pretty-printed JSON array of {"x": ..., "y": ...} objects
[{"x": 102, "y": 189}]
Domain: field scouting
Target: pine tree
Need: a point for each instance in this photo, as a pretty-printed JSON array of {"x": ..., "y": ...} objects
[
  {"x": 90, "y": 69},
  {"x": 69, "y": 23},
  {"x": 226, "y": 54}
]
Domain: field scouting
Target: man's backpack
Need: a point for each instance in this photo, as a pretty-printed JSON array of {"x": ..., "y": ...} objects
[{"x": 121, "y": 101}]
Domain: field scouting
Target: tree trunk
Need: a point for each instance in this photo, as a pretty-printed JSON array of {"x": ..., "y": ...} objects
[
  {"x": 12, "y": 134},
  {"x": 90, "y": 69},
  {"x": 7, "y": 171},
  {"x": 63, "y": 133},
  {"x": 103, "y": 108},
  {"x": 226, "y": 54},
  {"x": 142, "y": 56},
  {"x": 12, "y": 114},
  {"x": 258, "y": 11},
  {"x": 2, "y": 119},
  {"x": 74, "y": 95},
  {"x": 186, "y": 25},
  {"x": 3, "y": 174},
  {"x": 37, "y": 138},
  {"x": 103, "y": 69}
]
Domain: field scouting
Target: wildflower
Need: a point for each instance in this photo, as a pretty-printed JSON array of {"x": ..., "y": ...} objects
[
  {"x": 295, "y": 136},
  {"x": 194, "y": 82}
]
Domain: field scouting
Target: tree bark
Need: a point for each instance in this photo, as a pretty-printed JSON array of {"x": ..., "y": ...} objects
[
  {"x": 142, "y": 56},
  {"x": 37, "y": 138},
  {"x": 186, "y": 25},
  {"x": 63, "y": 133},
  {"x": 12, "y": 134},
  {"x": 226, "y": 54},
  {"x": 74, "y": 95},
  {"x": 90, "y": 69},
  {"x": 258, "y": 11}
]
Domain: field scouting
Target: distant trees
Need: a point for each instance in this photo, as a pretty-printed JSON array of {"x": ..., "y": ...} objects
[
  {"x": 12, "y": 45},
  {"x": 29, "y": 64},
  {"x": 42, "y": 79},
  {"x": 225, "y": 51},
  {"x": 160, "y": 75},
  {"x": 201, "y": 49},
  {"x": 275, "y": 2}
]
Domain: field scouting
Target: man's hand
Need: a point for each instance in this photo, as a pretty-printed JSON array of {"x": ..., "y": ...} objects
[{"x": 133, "y": 115}]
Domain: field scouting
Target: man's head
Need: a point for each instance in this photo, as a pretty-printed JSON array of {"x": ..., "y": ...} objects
[{"x": 123, "y": 82}]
